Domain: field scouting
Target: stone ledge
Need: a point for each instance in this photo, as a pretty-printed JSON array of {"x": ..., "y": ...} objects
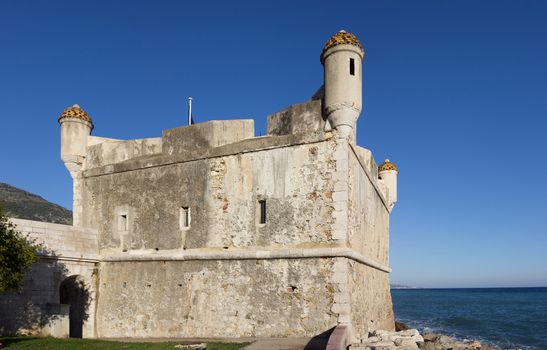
[
  {"x": 247, "y": 254},
  {"x": 370, "y": 178}
]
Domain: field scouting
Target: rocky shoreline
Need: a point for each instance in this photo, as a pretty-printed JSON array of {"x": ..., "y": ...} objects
[{"x": 405, "y": 338}]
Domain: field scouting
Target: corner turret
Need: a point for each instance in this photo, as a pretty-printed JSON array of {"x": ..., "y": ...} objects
[
  {"x": 342, "y": 60},
  {"x": 387, "y": 173},
  {"x": 76, "y": 126}
]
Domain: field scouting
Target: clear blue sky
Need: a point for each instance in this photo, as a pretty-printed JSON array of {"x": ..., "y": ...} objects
[{"x": 455, "y": 92}]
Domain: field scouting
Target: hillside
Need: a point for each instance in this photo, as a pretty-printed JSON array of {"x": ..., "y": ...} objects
[{"x": 25, "y": 205}]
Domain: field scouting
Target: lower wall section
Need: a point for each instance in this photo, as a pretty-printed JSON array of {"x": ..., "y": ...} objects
[
  {"x": 371, "y": 306},
  {"x": 229, "y": 298},
  {"x": 49, "y": 303}
]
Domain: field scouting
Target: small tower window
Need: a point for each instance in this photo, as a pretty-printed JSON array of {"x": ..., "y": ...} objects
[
  {"x": 122, "y": 223},
  {"x": 185, "y": 218},
  {"x": 262, "y": 208},
  {"x": 351, "y": 66}
]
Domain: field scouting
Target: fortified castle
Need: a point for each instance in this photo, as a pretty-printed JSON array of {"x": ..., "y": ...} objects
[{"x": 210, "y": 231}]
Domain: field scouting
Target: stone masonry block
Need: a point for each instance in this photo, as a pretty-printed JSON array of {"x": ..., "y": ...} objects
[
  {"x": 340, "y": 186},
  {"x": 339, "y": 234},
  {"x": 340, "y": 153},
  {"x": 342, "y": 166},
  {"x": 340, "y": 196},
  {"x": 344, "y": 318},
  {"x": 341, "y": 308},
  {"x": 341, "y": 297},
  {"x": 340, "y": 264},
  {"x": 339, "y": 277}
]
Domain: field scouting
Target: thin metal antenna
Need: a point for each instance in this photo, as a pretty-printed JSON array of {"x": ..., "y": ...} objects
[{"x": 189, "y": 110}]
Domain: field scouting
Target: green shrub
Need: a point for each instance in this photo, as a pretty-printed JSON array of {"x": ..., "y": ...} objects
[{"x": 17, "y": 254}]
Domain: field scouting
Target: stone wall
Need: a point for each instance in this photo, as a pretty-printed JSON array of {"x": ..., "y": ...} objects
[
  {"x": 37, "y": 309},
  {"x": 115, "y": 151},
  {"x": 320, "y": 259},
  {"x": 222, "y": 194},
  {"x": 233, "y": 298},
  {"x": 61, "y": 240},
  {"x": 368, "y": 234}
]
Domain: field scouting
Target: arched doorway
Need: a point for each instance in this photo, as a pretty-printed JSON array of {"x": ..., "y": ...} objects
[{"x": 73, "y": 292}]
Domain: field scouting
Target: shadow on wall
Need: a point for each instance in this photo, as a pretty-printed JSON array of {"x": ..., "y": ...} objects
[
  {"x": 51, "y": 302},
  {"x": 74, "y": 292},
  {"x": 319, "y": 342}
]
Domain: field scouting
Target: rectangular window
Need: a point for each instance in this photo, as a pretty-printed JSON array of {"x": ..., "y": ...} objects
[
  {"x": 262, "y": 205},
  {"x": 185, "y": 218},
  {"x": 122, "y": 223},
  {"x": 351, "y": 66}
]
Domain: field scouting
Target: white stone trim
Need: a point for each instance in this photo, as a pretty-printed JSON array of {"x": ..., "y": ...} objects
[
  {"x": 373, "y": 181},
  {"x": 68, "y": 258},
  {"x": 245, "y": 254}
]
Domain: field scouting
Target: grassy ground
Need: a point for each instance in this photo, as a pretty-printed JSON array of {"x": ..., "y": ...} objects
[{"x": 31, "y": 343}]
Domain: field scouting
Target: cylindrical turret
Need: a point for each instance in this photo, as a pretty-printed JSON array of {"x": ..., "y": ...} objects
[
  {"x": 76, "y": 126},
  {"x": 342, "y": 60},
  {"x": 387, "y": 172}
]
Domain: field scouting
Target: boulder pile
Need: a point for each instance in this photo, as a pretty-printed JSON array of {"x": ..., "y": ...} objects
[{"x": 410, "y": 339}]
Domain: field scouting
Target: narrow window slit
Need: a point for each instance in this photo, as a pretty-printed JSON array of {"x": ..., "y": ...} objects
[
  {"x": 262, "y": 205},
  {"x": 351, "y": 66},
  {"x": 185, "y": 217},
  {"x": 122, "y": 223}
]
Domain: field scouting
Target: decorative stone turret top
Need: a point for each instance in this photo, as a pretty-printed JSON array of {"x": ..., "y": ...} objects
[
  {"x": 75, "y": 112},
  {"x": 340, "y": 38},
  {"x": 387, "y": 165}
]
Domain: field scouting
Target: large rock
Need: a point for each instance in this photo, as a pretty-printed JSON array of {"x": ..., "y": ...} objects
[
  {"x": 430, "y": 337},
  {"x": 400, "y": 326},
  {"x": 412, "y": 339}
]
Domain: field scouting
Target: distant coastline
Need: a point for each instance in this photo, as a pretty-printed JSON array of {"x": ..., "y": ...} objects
[{"x": 401, "y": 286}]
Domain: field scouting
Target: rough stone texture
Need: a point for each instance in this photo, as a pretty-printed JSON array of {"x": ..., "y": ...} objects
[
  {"x": 206, "y": 135},
  {"x": 60, "y": 240},
  {"x": 368, "y": 232},
  {"x": 223, "y": 195},
  {"x": 412, "y": 339},
  {"x": 37, "y": 309},
  {"x": 297, "y": 119},
  {"x": 115, "y": 151},
  {"x": 252, "y": 298}
]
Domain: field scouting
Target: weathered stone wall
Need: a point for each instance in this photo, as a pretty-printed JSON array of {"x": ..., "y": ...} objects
[
  {"x": 37, "y": 310},
  {"x": 248, "y": 298},
  {"x": 320, "y": 259},
  {"x": 115, "y": 151},
  {"x": 368, "y": 229},
  {"x": 303, "y": 118},
  {"x": 222, "y": 194},
  {"x": 204, "y": 136},
  {"x": 368, "y": 233},
  {"x": 372, "y": 308},
  {"x": 60, "y": 240}
]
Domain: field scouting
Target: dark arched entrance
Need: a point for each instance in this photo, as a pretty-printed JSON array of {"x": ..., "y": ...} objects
[{"x": 74, "y": 293}]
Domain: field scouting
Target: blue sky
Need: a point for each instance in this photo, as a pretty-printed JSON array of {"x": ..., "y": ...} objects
[{"x": 455, "y": 93}]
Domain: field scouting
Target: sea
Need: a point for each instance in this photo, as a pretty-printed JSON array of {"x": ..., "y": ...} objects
[{"x": 507, "y": 318}]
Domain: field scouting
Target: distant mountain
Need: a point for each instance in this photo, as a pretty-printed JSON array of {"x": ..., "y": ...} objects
[{"x": 25, "y": 205}]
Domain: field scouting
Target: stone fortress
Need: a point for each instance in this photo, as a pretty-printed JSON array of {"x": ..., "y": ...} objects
[{"x": 210, "y": 231}]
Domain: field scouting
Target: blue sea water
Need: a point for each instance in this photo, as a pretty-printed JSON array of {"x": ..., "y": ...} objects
[{"x": 509, "y": 318}]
